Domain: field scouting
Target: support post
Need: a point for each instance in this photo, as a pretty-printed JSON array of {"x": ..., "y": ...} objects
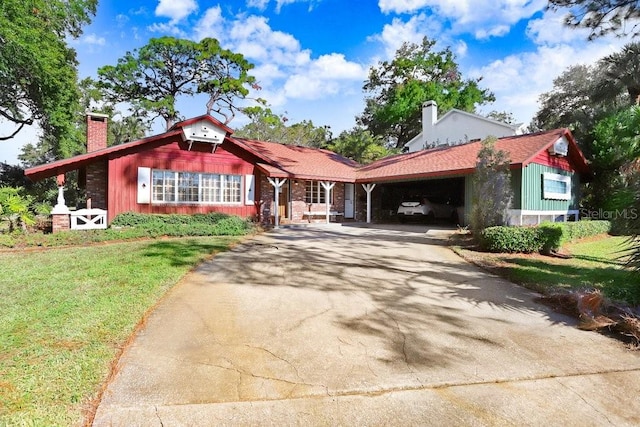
[
  {"x": 60, "y": 212},
  {"x": 327, "y": 192},
  {"x": 277, "y": 185},
  {"x": 369, "y": 189}
]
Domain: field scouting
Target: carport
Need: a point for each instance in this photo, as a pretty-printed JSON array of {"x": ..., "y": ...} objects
[{"x": 449, "y": 193}]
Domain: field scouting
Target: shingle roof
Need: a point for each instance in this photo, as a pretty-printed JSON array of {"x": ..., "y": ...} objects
[
  {"x": 301, "y": 162},
  {"x": 72, "y": 163},
  {"x": 288, "y": 161},
  {"x": 461, "y": 159}
]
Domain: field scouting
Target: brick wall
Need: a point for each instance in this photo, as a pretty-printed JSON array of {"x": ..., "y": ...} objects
[{"x": 96, "y": 188}]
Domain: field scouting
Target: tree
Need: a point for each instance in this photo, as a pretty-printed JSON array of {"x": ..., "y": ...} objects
[
  {"x": 152, "y": 77},
  {"x": 265, "y": 125},
  {"x": 631, "y": 172},
  {"x": 616, "y": 144},
  {"x": 397, "y": 89},
  {"x": 600, "y": 16},
  {"x": 38, "y": 76},
  {"x": 492, "y": 192},
  {"x": 360, "y": 145},
  {"x": 621, "y": 75},
  {"x": 569, "y": 103},
  {"x": 502, "y": 116},
  {"x": 129, "y": 128}
]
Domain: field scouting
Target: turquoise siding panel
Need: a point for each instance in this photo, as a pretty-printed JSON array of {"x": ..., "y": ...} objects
[
  {"x": 532, "y": 195},
  {"x": 516, "y": 186}
]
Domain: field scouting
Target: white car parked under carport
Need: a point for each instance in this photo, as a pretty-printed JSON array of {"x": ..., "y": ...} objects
[{"x": 427, "y": 208}]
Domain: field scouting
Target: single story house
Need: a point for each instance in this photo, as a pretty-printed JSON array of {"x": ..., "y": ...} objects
[{"x": 197, "y": 166}]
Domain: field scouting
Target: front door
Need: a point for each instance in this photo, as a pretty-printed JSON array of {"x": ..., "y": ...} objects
[
  {"x": 349, "y": 195},
  {"x": 283, "y": 202}
]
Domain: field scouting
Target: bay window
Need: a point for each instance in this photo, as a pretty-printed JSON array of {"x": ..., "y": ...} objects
[{"x": 193, "y": 187}]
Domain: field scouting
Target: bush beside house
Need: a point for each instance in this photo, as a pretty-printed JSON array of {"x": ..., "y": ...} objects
[{"x": 545, "y": 238}]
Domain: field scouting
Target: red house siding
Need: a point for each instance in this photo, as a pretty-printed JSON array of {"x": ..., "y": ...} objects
[
  {"x": 175, "y": 156},
  {"x": 546, "y": 159}
]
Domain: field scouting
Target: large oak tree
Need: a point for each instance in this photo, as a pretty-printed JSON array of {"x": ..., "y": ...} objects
[{"x": 396, "y": 90}]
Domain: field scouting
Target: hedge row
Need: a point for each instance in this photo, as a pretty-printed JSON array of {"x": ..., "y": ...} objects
[
  {"x": 211, "y": 224},
  {"x": 545, "y": 238},
  {"x": 133, "y": 219},
  {"x": 133, "y": 226}
]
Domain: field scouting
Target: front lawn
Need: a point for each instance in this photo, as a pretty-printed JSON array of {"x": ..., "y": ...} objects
[
  {"x": 65, "y": 314},
  {"x": 594, "y": 263}
]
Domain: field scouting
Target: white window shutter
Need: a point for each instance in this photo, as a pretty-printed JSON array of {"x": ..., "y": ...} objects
[
  {"x": 249, "y": 189},
  {"x": 144, "y": 185}
]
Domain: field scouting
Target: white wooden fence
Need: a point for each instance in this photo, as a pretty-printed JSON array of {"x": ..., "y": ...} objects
[{"x": 88, "y": 219}]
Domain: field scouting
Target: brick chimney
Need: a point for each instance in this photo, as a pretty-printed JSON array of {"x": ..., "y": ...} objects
[{"x": 96, "y": 131}]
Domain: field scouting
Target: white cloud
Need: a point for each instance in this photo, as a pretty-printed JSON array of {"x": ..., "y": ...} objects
[
  {"x": 258, "y": 4},
  {"x": 210, "y": 25},
  {"x": 482, "y": 18},
  {"x": 281, "y": 3},
  {"x": 283, "y": 68},
  {"x": 166, "y": 28},
  {"x": 324, "y": 77},
  {"x": 122, "y": 20},
  {"x": 460, "y": 49},
  {"x": 497, "y": 31},
  {"x": 550, "y": 29},
  {"x": 518, "y": 80},
  {"x": 93, "y": 39},
  {"x": 177, "y": 10},
  {"x": 398, "y": 32}
]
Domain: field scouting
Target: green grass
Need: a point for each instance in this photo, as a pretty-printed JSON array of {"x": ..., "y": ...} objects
[
  {"x": 65, "y": 313},
  {"x": 593, "y": 264}
]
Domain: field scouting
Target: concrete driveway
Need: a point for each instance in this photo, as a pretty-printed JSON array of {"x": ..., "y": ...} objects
[{"x": 363, "y": 326}]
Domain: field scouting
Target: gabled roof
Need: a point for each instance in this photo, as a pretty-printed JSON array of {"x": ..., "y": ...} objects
[
  {"x": 289, "y": 161},
  {"x": 275, "y": 160},
  {"x": 461, "y": 159},
  {"x": 477, "y": 117},
  {"x": 419, "y": 137},
  {"x": 58, "y": 167}
]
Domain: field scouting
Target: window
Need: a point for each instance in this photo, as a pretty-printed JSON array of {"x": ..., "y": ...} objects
[
  {"x": 314, "y": 192},
  {"x": 190, "y": 187},
  {"x": 555, "y": 186}
]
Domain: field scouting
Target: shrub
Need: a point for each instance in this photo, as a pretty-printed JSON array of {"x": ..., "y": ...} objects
[
  {"x": 211, "y": 224},
  {"x": 545, "y": 238},
  {"x": 492, "y": 192},
  {"x": 510, "y": 239}
]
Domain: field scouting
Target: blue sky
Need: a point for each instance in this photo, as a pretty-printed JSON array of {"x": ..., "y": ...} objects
[{"x": 312, "y": 56}]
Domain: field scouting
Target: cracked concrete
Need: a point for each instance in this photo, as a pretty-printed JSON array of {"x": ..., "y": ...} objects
[{"x": 363, "y": 326}]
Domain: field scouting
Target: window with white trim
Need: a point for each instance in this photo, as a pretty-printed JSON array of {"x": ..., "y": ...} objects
[
  {"x": 192, "y": 187},
  {"x": 556, "y": 186},
  {"x": 314, "y": 192}
]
